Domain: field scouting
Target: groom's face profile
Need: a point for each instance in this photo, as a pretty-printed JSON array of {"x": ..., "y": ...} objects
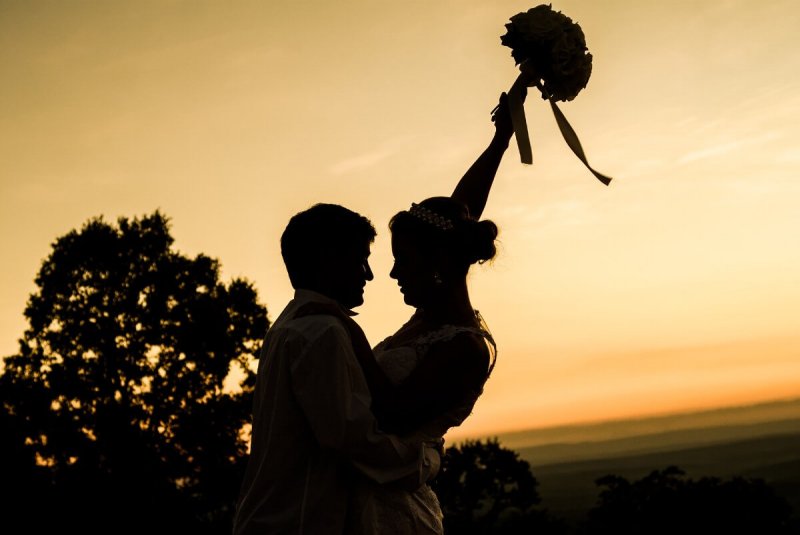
[
  {"x": 346, "y": 271},
  {"x": 326, "y": 250}
]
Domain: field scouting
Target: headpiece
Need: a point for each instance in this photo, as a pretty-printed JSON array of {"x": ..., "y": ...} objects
[{"x": 430, "y": 217}]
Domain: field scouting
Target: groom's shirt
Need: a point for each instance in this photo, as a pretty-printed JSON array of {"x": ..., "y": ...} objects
[{"x": 312, "y": 425}]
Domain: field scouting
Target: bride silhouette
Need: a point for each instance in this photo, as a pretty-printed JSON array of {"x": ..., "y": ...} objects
[{"x": 427, "y": 376}]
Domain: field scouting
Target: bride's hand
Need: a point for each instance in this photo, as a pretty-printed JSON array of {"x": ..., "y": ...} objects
[
  {"x": 532, "y": 77},
  {"x": 501, "y": 117}
]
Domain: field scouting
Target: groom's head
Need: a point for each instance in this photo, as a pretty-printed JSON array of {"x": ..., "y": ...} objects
[{"x": 326, "y": 249}]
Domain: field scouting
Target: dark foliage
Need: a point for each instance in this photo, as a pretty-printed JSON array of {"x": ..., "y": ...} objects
[
  {"x": 668, "y": 502},
  {"x": 485, "y": 488},
  {"x": 114, "y": 417}
]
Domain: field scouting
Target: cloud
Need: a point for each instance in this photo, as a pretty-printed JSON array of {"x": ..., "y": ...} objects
[
  {"x": 400, "y": 144},
  {"x": 722, "y": 149},
  {"x": 791, "y": 155},
  {"x": 563, "y": 213},
  {"x": 362, "y": 161}
]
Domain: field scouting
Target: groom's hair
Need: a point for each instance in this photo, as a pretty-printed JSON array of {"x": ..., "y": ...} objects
[{"x": 317, "y": 231}]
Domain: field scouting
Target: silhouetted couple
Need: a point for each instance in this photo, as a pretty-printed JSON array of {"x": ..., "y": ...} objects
[{"x": 345, "y": 437}]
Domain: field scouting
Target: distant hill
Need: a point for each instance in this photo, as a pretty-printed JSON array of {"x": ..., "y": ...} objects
[
  {"x": 742, "y": 416},
  {"x": 662, "y": 442},
  {"x": 756, "y": 441},
  {"x": 568, "y": 489}
]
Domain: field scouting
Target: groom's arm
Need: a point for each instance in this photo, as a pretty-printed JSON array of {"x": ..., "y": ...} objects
[{"x": 330, "y": 388}]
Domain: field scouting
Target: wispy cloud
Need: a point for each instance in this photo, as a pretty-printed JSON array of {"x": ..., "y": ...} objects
[
  {"x": 361, "y": 161},
  {"x": 397, "y": 145},
  {"x": 790, "y": 155},
  {"x": 712, "y": 151},
  {"x": 722, "y": 149},
  {"x": 563, "y": 212}
]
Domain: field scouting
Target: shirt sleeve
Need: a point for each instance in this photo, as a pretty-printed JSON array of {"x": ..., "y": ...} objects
[{"x": 334, "y": 396}]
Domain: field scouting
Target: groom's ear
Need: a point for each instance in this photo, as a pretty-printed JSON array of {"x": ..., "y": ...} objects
[
  {"x": 325, "y": 269},
  {"x": 326, "y": 257}
]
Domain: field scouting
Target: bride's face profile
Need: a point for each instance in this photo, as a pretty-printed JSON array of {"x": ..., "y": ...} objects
[{"x": 413, "y": 271}]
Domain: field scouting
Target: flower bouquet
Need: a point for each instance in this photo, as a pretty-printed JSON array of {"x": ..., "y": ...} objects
[{"x": 551, "y": 52}]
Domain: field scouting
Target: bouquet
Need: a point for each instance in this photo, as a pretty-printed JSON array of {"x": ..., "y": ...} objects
[{"x": 552, "y": 55}]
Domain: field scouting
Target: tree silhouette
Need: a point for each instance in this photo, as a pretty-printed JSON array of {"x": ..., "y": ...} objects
[
  {"x": 485, "y": 488},
  {"x": 114, "y": 414},
  {"x": 668, "y": 502}
]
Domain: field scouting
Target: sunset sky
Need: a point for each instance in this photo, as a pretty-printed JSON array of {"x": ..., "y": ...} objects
[{"x": 677, "y": 287}]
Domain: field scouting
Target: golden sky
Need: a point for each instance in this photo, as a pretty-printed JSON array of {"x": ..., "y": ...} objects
[{"x": 676, "y": 287}]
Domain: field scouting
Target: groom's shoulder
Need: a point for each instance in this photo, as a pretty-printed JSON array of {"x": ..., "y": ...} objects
[
  {"x": 316, "y": 324},
  {"x": 306, "y": 318},
  {"x": 310, "y": 327}
]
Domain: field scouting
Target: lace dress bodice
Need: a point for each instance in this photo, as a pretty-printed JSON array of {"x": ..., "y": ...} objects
[
  {"x": 398, "y": 356},
  {"x": 376, "y": 509},
  {"x": 397, "y": 362}
]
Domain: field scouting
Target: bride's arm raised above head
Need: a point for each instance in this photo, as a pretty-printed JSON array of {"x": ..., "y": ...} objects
[{"x": 473, "y": 188}]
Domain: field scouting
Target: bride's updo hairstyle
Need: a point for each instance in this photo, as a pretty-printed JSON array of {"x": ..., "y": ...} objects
[{"x": 443, "y": 226}]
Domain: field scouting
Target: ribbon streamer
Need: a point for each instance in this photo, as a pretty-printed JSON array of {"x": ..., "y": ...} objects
[
  {"x": 521, "y": 127},
  {"x": 518, "y": 121}
]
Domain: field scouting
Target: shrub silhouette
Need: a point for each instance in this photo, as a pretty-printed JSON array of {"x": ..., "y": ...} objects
[
  {"x": 486, "y": 488},
  {"x": 114, "y": 414},
  {"x": 667, "y": 502}
]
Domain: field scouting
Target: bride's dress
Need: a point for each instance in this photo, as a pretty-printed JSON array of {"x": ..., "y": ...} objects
[{"x": 376, "y": 508}]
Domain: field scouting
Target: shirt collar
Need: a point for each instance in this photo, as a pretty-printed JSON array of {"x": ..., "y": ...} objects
[{"x": 310, "y": 296}]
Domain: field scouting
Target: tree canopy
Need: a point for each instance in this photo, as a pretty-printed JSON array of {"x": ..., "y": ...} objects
[
  {"x": 126, "y": 409},
  {"x": 116, "y": 411},
  {"x": 486, "y": 488},
  {"x": 666, "y": 501}
]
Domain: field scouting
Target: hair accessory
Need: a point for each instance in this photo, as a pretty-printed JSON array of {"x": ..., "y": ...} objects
[{"x": 430, "y": 217}]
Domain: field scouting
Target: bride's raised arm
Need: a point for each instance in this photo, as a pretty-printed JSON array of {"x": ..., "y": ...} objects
[{"x": 473, "y": 188}]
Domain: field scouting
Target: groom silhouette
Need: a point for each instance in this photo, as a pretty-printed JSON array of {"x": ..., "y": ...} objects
[{"x": 313, "y": 430}]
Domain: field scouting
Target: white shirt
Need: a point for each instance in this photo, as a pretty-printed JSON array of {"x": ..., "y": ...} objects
[{"x": 312, "y": 425}]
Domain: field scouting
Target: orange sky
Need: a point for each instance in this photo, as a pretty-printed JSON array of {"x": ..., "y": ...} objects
[{"x": 676, "y": 287}]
